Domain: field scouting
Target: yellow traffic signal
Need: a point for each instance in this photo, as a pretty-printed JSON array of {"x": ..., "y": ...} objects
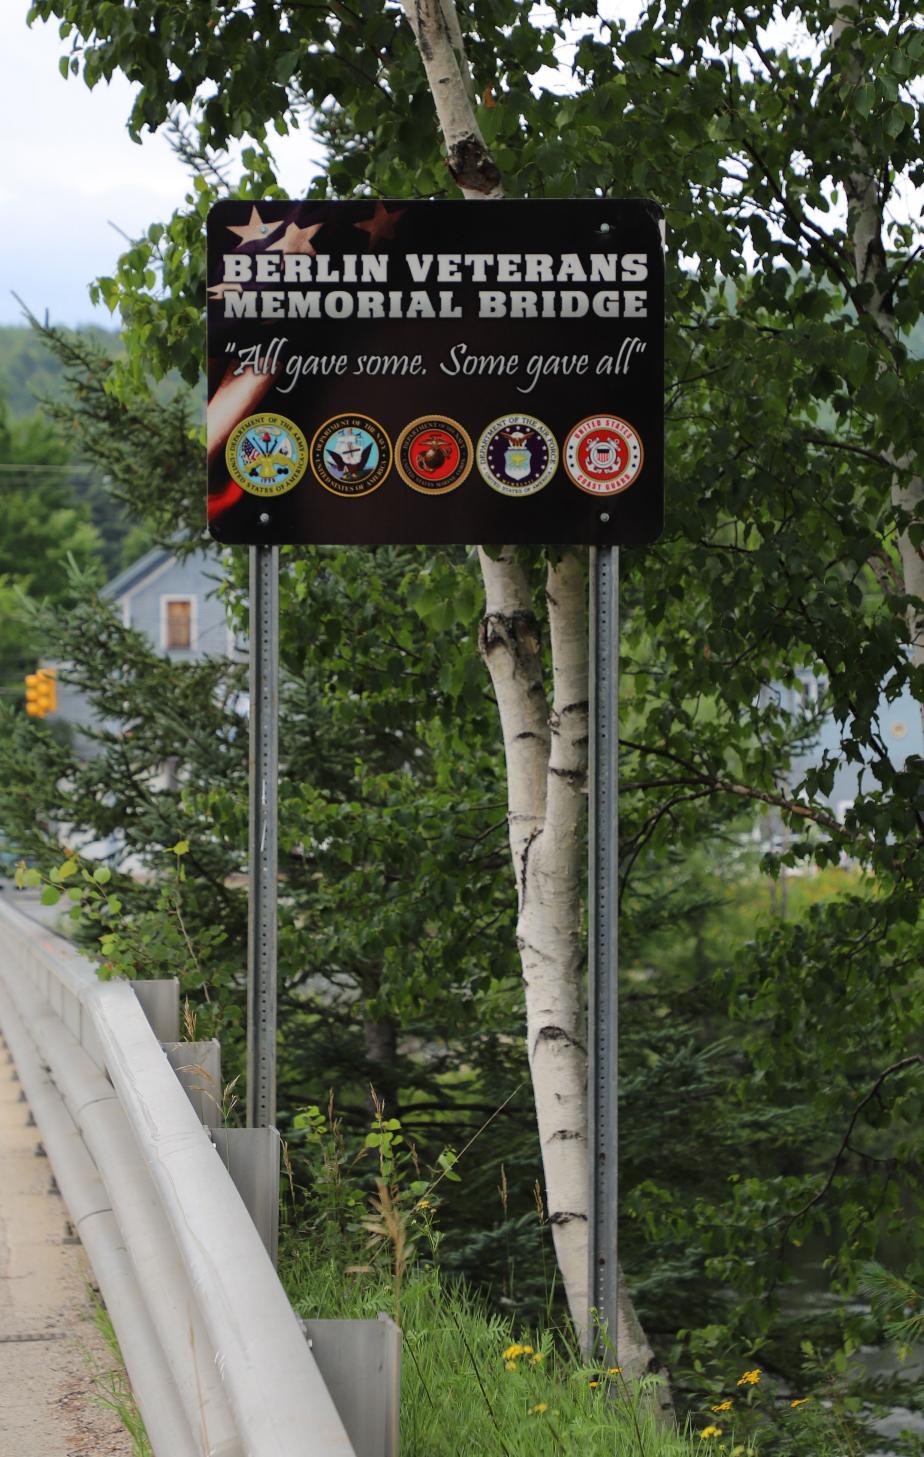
[
  {"x": 41, "y": 693},
  {"x": 32, "y": 696},
  {"x": 48, "y": 689}
]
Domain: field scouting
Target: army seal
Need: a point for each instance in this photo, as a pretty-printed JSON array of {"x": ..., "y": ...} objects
[
  {"x": 433, "y": 455},
  {"x": 266, "y": 454},
  {"x": 350, "y": 455},
  {"x": 517, "y": 455},
  {"x": 603, "y": 455}
]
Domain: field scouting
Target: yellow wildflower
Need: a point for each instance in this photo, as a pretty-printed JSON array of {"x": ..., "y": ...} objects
[
  {"x": 539, "y": 1407},
  {"x": 711, "y": 1432},
  {"x": 800, "y": 1401},
  {"x": 423, "y": 1204},
  {"x": 614, "y": 1370},
  {"x": 722, "y": 1406},
  {"x": 750, "y": 1378},
  {"x": 512, "y": 1352},
  {"x": 593, "y": 1383},
  {"x": 539, "y": 1356},
  {"x": 511, "y": 1365}
]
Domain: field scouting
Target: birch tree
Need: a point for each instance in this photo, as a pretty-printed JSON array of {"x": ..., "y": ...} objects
[
  {"x": 545, "y": 745},
  {"x": 867, "y": 187}
]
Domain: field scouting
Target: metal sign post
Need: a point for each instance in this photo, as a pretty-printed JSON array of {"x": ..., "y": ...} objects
[
  {"x": 603, "y": 961},
  {"x": 264, "y": 764}
]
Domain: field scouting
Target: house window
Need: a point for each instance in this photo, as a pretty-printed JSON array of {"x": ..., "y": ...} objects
[
  {"x": 178, "y": 622},
  {"x": 808, "y": 690}
]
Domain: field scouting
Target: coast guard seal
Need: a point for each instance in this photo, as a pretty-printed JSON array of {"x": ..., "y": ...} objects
[{"x": 603, "y": 455}]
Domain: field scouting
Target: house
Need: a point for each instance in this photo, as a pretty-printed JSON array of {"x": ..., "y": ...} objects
[
  {"x": 899, "y": 726},
  {"x": 174, "y": 602},
  {"x": 900, "y": 729}
]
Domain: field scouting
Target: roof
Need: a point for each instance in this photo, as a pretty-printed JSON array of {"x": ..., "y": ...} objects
[{"x": 127, "y": 580}]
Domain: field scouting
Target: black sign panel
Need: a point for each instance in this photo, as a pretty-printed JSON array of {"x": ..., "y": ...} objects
[{"x": 436, "y": 372}]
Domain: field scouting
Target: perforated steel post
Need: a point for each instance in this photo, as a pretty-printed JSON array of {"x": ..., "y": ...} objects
[
  {"x": 603, "y": 960},
  {"x": 264, "y": 777}
]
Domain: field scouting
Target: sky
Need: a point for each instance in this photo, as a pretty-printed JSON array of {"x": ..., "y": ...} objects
[
  {"x": 74, "y": 183},
  {"x": 72, "y": 176}
]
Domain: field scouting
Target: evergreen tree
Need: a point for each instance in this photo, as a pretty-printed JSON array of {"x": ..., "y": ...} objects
[{"x": 42, "y": 523}]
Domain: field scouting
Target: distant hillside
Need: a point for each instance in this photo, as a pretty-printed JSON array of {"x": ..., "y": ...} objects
[{"x": 28, "y": 369}]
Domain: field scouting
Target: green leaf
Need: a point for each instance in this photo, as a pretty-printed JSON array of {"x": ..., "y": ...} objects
[{"x": 102, "y": 874}]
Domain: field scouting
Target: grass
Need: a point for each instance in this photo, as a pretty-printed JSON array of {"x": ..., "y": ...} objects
[
  {"x": 472, "y": 1385},
  {"x": 113, "y": 1388}
]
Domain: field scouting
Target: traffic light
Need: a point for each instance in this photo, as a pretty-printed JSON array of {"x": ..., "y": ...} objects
[{"x": 41, "y": 693}]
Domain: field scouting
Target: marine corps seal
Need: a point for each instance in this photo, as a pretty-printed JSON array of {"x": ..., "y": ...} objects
[
  {"x": 517, "y": 455},
  {"x": 266, "y": 454},
  {"x": 433, "y": 455},
  {"x": 350, "y": 455},
  {"x": 603, "y": 455}
]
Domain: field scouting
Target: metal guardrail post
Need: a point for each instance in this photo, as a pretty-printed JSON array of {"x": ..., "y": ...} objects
[{"x": 370, "y": 1408}]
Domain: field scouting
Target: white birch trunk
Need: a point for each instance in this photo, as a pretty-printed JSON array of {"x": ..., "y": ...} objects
[
  {"x": 435, "y": 24},
  {"x": 864, "y": 222},
  {"x": 546, "y": 761},
  {"x": 546, "y": 756}
]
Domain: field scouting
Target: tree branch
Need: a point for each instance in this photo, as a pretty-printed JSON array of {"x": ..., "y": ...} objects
[{"x": 915, "y": 1058}]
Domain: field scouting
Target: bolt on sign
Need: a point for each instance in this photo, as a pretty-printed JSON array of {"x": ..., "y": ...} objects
[{"x": 436, "y": 372}]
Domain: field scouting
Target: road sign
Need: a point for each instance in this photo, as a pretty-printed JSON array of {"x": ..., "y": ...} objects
[{"x": 400, "y": 372}]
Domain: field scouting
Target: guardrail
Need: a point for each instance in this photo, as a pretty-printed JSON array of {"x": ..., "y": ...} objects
[{"x": 218, "y": 1362}]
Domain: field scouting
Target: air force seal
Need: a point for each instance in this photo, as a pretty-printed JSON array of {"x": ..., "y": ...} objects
[
  {"x": 266, "y": 454},
  {"x": 350, "y": 455},
  {"x": 603, "y": 455},
  {"x": 517, "y": 455}
]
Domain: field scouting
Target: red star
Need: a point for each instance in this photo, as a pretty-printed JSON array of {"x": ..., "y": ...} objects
[{"x": 382, "y": 223}]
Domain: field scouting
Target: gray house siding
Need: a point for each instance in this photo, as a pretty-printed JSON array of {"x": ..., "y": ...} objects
[
  {"x": 901, "y": 731},
  {"x": 899, "y": 722},
  {"x": 145, "y": 590}
]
